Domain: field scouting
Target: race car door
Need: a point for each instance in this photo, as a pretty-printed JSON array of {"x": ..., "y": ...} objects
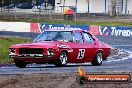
[
  {"x": 78, "y": 48},
  {"x": 90, "y": 46}
]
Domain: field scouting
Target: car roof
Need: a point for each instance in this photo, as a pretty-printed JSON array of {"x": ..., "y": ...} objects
[{"x": 75, "y": 30}]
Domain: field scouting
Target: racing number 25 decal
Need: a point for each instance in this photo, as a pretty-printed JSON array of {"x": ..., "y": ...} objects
[{"x": 81, "y": 54}]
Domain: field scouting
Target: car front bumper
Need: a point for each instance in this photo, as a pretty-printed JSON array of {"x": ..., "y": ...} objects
[{"x": 34, "y": 57}]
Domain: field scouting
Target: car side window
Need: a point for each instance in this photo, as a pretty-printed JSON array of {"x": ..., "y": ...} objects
[
  {"x": 88, "y": 38},
  {"x": 78, "y": 37}
]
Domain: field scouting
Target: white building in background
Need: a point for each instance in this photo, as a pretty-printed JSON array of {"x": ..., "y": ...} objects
[
  {"x": 129, "y": 6},
  {"x": 96, "y": 6}
]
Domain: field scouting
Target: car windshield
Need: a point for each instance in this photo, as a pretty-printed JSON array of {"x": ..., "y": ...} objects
[{"x": 55, "y": 36}]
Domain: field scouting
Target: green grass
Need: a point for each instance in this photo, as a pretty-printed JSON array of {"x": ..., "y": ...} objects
[
  {"x": 110, "y": 23},
  {"x": 5, "y": 42},
  {"x": 91, "y": 23}
]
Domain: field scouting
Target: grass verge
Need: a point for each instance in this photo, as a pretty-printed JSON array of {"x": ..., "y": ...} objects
[
  {"x": 110, "y": 23},
  {"x": 5, "y": 42}
]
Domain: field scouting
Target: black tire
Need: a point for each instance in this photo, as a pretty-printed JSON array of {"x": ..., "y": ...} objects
[
  {"x": 20, "y": 64},
  {"x": 98, "y": 59},
  {"x": 62, "y": 60}
]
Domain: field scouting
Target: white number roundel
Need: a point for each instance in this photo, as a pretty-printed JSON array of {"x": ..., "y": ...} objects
[{"x": 81, "y": 54}]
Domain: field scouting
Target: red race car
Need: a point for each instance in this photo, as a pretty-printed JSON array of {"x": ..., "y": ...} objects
[{"x": 60, "y": 47}]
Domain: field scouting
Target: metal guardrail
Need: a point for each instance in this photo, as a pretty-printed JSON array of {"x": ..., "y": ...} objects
[
  {"x": 57, "y": 14},
  {"x": 9, "y": 10}
]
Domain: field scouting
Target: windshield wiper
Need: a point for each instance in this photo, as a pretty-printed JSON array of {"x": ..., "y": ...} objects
[
  {"x": 37, "y": 40},
  {"x": 47, "y": 40},
  {"x": 42, "y": 40}
]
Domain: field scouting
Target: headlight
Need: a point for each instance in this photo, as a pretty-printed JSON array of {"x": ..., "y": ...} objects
[
  {"x": 12, "y": 50},
  {"x": 50, "y": 51}
]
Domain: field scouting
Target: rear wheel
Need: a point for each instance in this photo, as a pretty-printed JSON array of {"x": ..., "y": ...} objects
[
  {"x": 62, "y": 61},
  {"x": 98, "y": 59},
  {"x": 20, "y": 64}
]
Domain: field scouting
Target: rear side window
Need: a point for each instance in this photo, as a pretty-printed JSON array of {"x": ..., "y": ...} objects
[
  {"x": 88, "y": 38},
  {"x": 78, "y": 36}
]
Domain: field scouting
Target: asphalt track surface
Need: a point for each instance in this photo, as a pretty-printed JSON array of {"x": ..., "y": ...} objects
[{"x": 119, "y": 63}]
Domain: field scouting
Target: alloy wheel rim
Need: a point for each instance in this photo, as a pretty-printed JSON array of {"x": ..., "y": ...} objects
[
  {"x": 99, "y": 57},
  {"x": 63, "y": 58}
]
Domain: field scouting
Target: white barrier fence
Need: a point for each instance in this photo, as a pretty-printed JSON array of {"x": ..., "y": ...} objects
[{"x": 15, "y": 26}]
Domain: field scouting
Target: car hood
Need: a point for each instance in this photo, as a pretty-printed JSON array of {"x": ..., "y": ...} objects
[{"x": 44, "y": 44}]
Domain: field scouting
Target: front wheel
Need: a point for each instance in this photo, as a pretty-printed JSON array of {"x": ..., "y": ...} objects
[
  {"x": 62, "y": 60},
  {"x": 98, "y": 59},
  {"x": 20, "y": 64}
]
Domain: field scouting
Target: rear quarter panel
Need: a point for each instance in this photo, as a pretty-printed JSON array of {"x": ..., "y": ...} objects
[
  {"x": 102, "y": 46},
  {"x": 106, "y": 50}
]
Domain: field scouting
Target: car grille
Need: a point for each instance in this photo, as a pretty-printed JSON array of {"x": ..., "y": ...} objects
[{"x": 30, "y": 51}]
